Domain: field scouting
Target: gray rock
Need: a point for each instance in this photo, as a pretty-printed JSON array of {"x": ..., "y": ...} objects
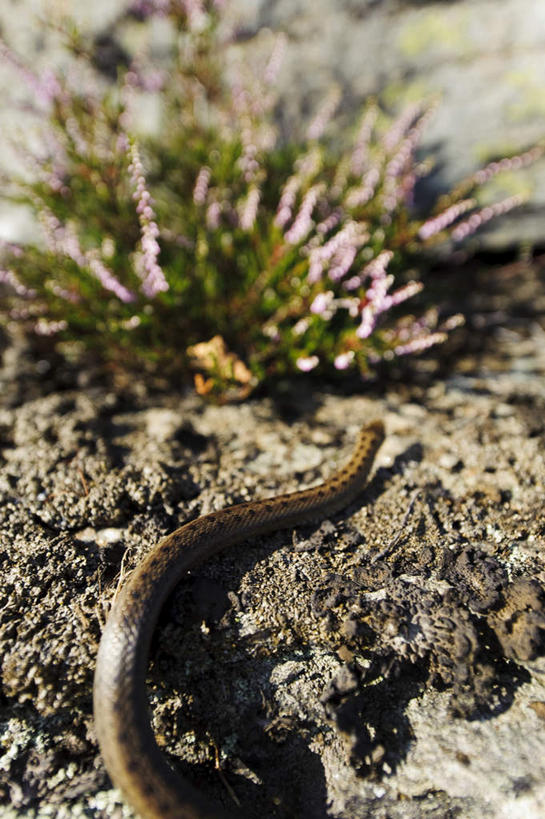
[{"x": 392, "y": 657}]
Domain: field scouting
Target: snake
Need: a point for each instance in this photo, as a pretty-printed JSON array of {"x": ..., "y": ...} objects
[{"x": 121, "y": 711}]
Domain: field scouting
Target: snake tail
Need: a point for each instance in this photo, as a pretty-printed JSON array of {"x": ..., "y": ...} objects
[{"x": 122, "y": 719}]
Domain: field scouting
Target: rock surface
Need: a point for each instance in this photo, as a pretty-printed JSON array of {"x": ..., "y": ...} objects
[{"x": 386, "y": 662}]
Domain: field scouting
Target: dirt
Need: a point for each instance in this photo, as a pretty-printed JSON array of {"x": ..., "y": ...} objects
[{"x": 388, "y": 662}]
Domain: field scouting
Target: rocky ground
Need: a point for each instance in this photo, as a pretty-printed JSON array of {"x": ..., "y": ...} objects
[{"x": 386, "y": 662}]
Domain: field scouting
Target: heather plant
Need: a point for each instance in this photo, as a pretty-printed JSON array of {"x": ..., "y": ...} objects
[{"x": 210, "y": 246}]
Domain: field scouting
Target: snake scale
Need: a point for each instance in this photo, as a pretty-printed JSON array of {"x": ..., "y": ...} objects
[{"x": 121, "y": 710}]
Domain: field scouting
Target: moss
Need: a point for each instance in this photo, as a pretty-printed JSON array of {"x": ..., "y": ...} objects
[{"x": 438, "y": 31}]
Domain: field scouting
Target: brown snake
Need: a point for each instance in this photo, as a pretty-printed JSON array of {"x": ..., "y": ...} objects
[{"x": 122, "y": 721}]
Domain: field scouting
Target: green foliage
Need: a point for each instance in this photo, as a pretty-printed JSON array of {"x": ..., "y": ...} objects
[{"x": 209, "y": 246}]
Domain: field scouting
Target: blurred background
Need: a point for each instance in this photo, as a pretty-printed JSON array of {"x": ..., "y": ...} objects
[{"x": 484, "y": 58}]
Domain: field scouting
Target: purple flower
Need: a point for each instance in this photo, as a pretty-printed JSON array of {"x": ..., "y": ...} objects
[
  {"x": 201, "y": 186},
  {"x": 322, "y": 302},
  {"x": 300, "y": 327},
  {"x": 401, "y": 125},
  {"x": 196, "y": 16},
  {"x": 403, "y": 293},
  {"x": 367, "y": 323},
  {"x": 305, "y": 364},
  {"x": 303, "y": 221},
  {"x": 375, "y": 269},
  {"x": 63, "y": 240},
  {"x": 322, "y": 118},
  {"x": 287, "y": 201},
  {"x": 513, "y": 163},
  {"x": 444, "y": 219},
  {"x": 329, "y": 222},
  {"x": 484, "y": 215},
  {"x": 145, "y": 77},
  {"x": 420, "y": 343},
  {"x": 396, "y": 186},
  {"x": 132, "y": 323},
  {"x": 306, "y": 167},
  {"x": 48, "y": 166},
  {"x": 79, "y": 141},
  {"x": 12, "y": 248},
  {"x": 275, "y": 60},
  {"x": 45, "y": 86},
  {"x": 377, "y": 298},
  {"x": 107, "y": 278},
  {"x": 376, "y": 293},
  {"x": 248, "y": 163},
  {"x": 146, "y": 8},
  {"x": 360, "y": 153},
  {"x": 452, "y": 322},
  {"x": 213, "y": 214},
  {"x": 351, "y": 235},
  {"x": 45, "y": 327},
  {"x": 271, "y": 331},
  {"x": 342, "y": 261},
  {"x": 356, "y": 197},
  {"x": 351, "y": 304},
  {"x": 153, "y": 278},
  {"x": 68, "y": 295},
  {"x": 8, "y": 277},
  {"x": 344, "y": 360},
  {"x": 249, "y": 211}
]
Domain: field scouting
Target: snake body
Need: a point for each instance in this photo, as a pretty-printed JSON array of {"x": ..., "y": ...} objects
[{"x": 122, "y": 721}]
